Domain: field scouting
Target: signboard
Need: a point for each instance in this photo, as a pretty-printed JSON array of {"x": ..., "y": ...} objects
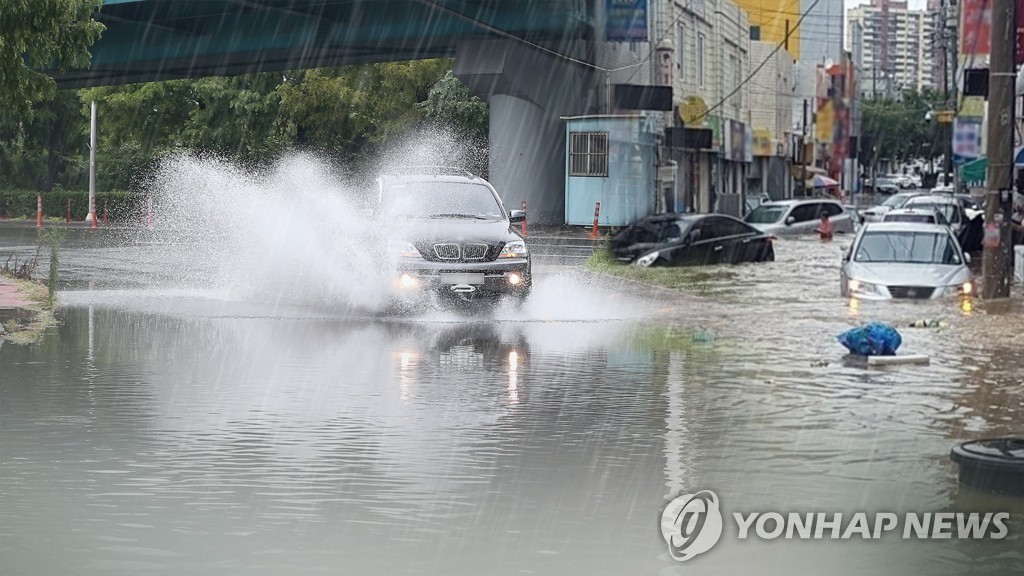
[
  {"x": 692, "y": 111},
  {"x": 976, "y": 27},
  {"x": 640, "y": 97},
  {"x": 763, "y": 142},
  {"x": 665, "y": 67},
  {"x": 625, "y": 20},
  {"x": 748, "y": 144},
  {"x": 824, "y": 122},
  {"x": 717, "y": 140},
  {"x": 966, "y": 140},
  {"x": 1020, "y": 32},
  {"x": 736, "y": 140},
  {"x": 972, "y": 107}
]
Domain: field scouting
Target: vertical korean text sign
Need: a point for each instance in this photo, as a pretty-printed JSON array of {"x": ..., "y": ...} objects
[{"x": 626, "y": 20}]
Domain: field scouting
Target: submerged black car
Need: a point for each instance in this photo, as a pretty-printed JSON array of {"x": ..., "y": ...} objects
[
  {"x": 691, "y": 239},
  {"x": 450, "y": 235}
]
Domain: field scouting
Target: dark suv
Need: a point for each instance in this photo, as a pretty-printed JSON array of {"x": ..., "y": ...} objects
[{"x": 450, "y": 234}]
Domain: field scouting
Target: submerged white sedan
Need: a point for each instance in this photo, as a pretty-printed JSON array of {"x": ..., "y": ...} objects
[{"x": 905, "y": 260}]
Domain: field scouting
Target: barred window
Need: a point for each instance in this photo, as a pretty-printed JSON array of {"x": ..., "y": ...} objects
[{"x": 588, "y": 154}]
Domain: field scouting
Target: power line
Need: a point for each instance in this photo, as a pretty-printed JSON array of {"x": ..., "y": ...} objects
[{"x": 759, "y": 66}]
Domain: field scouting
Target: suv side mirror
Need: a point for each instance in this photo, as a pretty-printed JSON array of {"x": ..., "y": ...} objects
[
  {"x": 790, "y": 220},
  {"x": 516, "y": 216},
  {"x": 967, "y": 258}
]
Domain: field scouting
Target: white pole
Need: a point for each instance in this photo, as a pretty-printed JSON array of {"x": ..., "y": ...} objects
[{"x": 92, "y": 167}]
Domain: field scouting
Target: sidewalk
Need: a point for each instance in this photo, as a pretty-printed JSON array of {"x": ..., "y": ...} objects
[{"x": 11, "y": 297}]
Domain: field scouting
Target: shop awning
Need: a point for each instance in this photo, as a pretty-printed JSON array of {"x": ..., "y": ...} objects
[{"x": 973, "y": 173}]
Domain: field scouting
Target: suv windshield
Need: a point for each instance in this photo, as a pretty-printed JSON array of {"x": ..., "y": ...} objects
[
  {"x": 441, "y": 199},
  {"x": 908, "y": 247},
  {"x": 766, "y": 214}
]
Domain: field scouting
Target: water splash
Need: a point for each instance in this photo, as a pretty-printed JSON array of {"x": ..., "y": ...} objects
[{"x": 291, "y": 234}]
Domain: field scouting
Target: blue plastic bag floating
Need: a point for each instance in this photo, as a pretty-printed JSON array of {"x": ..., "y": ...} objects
[{"x": 874, "y": 339}]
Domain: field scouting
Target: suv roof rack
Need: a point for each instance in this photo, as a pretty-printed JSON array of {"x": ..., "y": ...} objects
[{"x": 430, "y": 170}]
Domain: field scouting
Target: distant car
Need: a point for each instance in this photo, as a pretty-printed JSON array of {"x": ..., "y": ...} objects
[
  {"x": 948, "y": 206},
  {"x": 885, "y": 186},
  {"x": 905, "y": 260},
  {"x": 925, "y": 216},
  {"x": 691, "y": 239},
  {"x": 796, "y": 217},
  {"x": 875, "y": 213}
]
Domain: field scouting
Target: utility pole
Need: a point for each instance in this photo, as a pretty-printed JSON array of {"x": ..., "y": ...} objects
[
  {"x": 997, "y": 263},
  {"x": 91, "y": 217},
  {"x": 803, "y": 154}
]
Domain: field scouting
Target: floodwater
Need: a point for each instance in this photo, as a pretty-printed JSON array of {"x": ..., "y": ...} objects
[{"x": 169, "y": 429}]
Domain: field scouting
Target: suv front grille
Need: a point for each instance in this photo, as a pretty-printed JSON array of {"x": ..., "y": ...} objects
[
  {"x": 474, "y": 251},
  {"x": 919, "y": 292},
  {"x": 447, "y": 251},
  {"x": 456, "y": 252}
]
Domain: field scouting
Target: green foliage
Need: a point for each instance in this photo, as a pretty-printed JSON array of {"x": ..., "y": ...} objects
[
  {"x": 53, "y": 239},
  {"x": 42, "y": 34},
  {"x": 896, "y": 129},
  {"x": 350, "y": 114},
  {"x": 452, "y": 106}
]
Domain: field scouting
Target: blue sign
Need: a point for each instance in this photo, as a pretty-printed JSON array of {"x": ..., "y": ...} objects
[{"x": 626, "y": 20}]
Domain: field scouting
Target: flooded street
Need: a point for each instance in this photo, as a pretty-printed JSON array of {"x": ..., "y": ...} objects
[{"x": 175, "y": 426}]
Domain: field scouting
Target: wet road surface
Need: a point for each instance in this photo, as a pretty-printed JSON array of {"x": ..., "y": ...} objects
[{"x": 171, "y": 427}]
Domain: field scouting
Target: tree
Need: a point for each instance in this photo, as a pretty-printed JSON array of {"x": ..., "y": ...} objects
[
  {"x": 53, "y": 34},
  {"x": 451, "y": 105},
  {"x": 897, "y": 130}
]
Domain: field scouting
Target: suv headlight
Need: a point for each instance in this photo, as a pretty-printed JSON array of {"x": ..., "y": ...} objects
[
  {"x": 514, "y": 249},
  {"x": 404, "y": 250},
  {"x": 647, "y": 259},
  {"x": 860, "y": 287}
]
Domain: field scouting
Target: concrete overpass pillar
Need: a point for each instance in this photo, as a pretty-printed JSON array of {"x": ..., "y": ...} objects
[{"x": 528, "y": 92}]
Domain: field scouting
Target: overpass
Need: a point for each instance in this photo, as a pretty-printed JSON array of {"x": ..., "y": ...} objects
[
  {"x": 534, "y": 61},
  {"x": 148, "y": 40}
]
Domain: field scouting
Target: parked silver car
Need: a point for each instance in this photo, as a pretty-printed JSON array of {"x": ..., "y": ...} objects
[
  {"x": 795, "y": 217},
  {"x": 875, "y": 213},
  {"x": 905, "y": 260},
  {"x": 948, "y": 206},
  {"x": 925, "y": 215}
]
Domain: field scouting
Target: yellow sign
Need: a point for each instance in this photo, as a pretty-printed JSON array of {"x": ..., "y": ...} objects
[
  {"x": 973, "y": 107},
  {"x": 762, "y": 142},
  {"x": 692, "y": 111},
  {"x": 945, "y": 116},
  {"x": 824, "y": 122}
]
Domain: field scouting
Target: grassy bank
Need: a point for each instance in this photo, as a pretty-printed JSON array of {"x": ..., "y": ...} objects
[
  {"x": 695, "y": 280},
  {"x": 26, "y": 325}
]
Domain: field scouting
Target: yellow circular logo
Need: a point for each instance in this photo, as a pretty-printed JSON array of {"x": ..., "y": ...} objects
[{"x": 693, "y": 111}]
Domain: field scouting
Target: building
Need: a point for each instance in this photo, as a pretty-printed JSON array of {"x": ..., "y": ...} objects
[
  {"x": 770, "y": 120},
  {"x": 900, "y": 46}
]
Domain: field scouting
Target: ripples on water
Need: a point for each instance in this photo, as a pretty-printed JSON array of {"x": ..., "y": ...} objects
[{"x": 170, "y": 430}]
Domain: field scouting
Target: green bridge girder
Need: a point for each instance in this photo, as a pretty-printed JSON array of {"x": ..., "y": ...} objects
[{"x": 149, "y": 40}]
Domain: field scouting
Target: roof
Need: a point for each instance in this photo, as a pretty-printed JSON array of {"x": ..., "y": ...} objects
[
  {"x": 931, "y": 199},
  {"x": 905, "y": 227},
  {"x": 898, "y": 211},
  {"x": 798, "y": 201}
]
